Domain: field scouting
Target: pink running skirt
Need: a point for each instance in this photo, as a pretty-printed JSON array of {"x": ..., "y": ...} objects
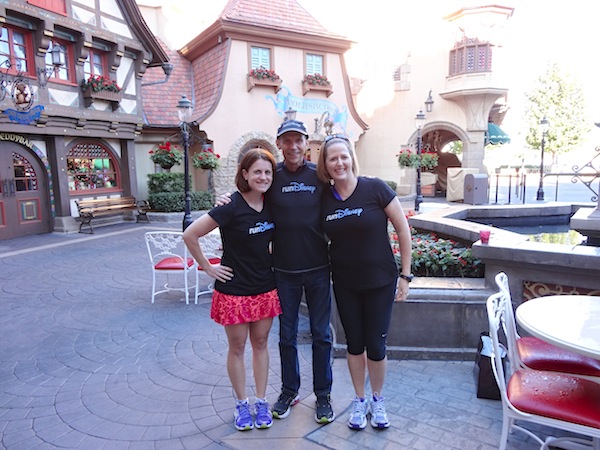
[{"x": 229, "y": 309}]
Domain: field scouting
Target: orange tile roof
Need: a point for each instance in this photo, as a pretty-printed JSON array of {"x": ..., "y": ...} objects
[
  {"x": 160, "y": 100},
  {"x": 285, "y": 15}
]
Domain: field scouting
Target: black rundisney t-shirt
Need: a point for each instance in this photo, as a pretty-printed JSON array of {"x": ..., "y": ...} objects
[
  {"x": 360, "y": 251},
  {"x": 246, "y": 235},
  {"x": 295, "y": 199}
]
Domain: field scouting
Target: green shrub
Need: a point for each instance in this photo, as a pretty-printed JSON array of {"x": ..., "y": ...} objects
[
  {"x": 392, "y": 184},
  {"x": 166, "y": 193},
  {"x": 175, "y": 201},
  {"x": 166, "y": 182}
]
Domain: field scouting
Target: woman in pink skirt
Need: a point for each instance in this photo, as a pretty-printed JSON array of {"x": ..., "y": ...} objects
[{"x": 245, "y": 299}]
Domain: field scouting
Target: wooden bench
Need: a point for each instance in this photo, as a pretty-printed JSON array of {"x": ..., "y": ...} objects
[{"x": 91, "y": 209}]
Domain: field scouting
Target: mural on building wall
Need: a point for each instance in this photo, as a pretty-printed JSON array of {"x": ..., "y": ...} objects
[{"x": 284, "y": 100}]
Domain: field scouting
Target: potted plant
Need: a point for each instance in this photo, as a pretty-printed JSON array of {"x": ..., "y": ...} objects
[
  {"x": 167, "y": 155},
  {"x": 206, "y": 159},
  {"x": 263, "y": 77},
  {"x": 316, "y": 82}
]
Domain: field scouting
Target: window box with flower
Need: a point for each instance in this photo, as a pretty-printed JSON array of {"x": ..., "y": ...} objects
[
  {"x": 316, "y": 82},
  {"x": 99, "y": 87},
  {"x": 263, "y": 77},
  {"x": 167, "y": 155}
]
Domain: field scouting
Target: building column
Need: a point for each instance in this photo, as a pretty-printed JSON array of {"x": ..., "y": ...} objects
[{"x": 57, "y": 157}]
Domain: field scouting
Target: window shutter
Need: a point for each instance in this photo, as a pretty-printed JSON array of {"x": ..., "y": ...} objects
[
  {"x": 314, "y": 64},
  {"x": 261, "y": 57}
]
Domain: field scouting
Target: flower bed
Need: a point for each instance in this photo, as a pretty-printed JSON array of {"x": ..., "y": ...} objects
[{"x": 433, "y": 256}]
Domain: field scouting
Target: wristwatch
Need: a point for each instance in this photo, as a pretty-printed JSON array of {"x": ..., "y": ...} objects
[{"x": 408, "y": 278}]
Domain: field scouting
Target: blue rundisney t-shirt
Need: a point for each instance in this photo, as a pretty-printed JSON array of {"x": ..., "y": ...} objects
[
  {"x": 246, "y": 235},
  {"x": 360, "y": 251}
]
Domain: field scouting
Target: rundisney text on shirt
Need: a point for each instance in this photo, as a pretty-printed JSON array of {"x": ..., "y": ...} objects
[
  {"x": 297, "y": 187},
  {"x": 261, "y": 227},
  {"x": 341, "y": 213}
]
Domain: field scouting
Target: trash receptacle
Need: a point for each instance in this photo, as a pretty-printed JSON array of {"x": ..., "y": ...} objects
[{"x": 476, "y": 189}]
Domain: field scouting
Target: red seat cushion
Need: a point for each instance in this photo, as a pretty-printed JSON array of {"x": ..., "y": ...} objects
[
  {"x": 172, "y": 263},
  {"x": 212, "y": 261},
  {"x": 541, "y": 355},
  {"x": 556, "y": 395}
]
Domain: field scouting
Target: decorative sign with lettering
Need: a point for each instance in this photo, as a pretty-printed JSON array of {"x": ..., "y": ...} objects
[
  {"x": 17, "y": 139},
  {"x": 24, "y": 117}
]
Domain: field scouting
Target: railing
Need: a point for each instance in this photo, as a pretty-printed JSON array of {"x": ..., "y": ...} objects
[{"x": 515, "y": 184}]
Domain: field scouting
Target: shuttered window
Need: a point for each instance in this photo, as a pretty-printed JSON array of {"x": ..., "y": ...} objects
[
  {"x": 314, "y": 64},
  {"x": 260, "y": 57}
]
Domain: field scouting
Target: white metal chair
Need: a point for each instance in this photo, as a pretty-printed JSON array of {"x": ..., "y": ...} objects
[
  {"x": 169, "y": 257},
  {"x": 553, "y": 399},
  {"x": 534, "y": 353},
  {"x": 212, "y": 247}
]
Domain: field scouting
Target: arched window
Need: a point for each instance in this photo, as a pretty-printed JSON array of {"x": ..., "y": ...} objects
[
  {"x": 25, "y": 176},
  {"x": 92, "y": 166}
]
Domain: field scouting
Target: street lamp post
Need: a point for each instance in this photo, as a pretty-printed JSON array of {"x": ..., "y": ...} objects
[
  {"x": 184, "y": 110},
  {"x": 419, "y": 122},
  {"x": 544, "y": 125}
]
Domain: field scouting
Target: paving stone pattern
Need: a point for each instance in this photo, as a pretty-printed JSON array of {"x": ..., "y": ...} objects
[{"x": 87, "y": 362}]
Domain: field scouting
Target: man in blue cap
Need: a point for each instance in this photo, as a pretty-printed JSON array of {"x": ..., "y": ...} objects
[{"x": 301, "y": 265}]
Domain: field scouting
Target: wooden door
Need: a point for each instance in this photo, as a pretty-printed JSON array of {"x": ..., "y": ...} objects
[{"x": 24, "y": 208}]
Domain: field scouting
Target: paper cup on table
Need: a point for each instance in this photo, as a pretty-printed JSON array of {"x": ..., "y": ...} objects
[{"x": 484, "y": 236}]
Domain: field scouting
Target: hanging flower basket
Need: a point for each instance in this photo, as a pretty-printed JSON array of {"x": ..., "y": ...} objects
[
  {"x": 407, "y": 158},
  {"x": 166, "y": 156},
  {"x": 206, "y": 159}
]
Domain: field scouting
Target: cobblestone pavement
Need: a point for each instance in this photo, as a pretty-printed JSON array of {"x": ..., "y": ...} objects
[{"x": 87, "y": 362}]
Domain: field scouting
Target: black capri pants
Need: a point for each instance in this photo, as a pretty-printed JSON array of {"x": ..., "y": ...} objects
[{"x": 366, "y": 316}]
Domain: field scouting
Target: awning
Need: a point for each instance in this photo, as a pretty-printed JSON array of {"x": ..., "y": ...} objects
[{"x": 495, "y": 135}]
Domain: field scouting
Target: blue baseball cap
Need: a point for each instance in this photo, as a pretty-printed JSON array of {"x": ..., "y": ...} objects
[{"x": 292, "y": 125}]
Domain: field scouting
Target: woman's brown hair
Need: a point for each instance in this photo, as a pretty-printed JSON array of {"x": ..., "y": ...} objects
[{"x": 251, "y": 156}]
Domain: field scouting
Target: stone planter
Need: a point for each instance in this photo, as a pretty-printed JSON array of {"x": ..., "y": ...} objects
[
  {"x": 307, "y": 87},
  {"x": 114, "y": 98},
  {"x": 407, "y": 184},
  {"x": 251, "y": 82}
]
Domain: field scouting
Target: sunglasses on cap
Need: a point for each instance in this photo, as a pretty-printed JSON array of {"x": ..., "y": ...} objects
[{"x": 331, "y": 137}]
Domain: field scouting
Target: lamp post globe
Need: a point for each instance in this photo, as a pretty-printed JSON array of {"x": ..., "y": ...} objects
[
  {"x": 544, "y": 125},
  {"x": 419, "y": 122},
  {"x": 184, "y": 111}
]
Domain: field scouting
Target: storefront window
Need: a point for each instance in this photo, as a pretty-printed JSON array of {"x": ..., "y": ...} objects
[{"x": 91, "y": 166}]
